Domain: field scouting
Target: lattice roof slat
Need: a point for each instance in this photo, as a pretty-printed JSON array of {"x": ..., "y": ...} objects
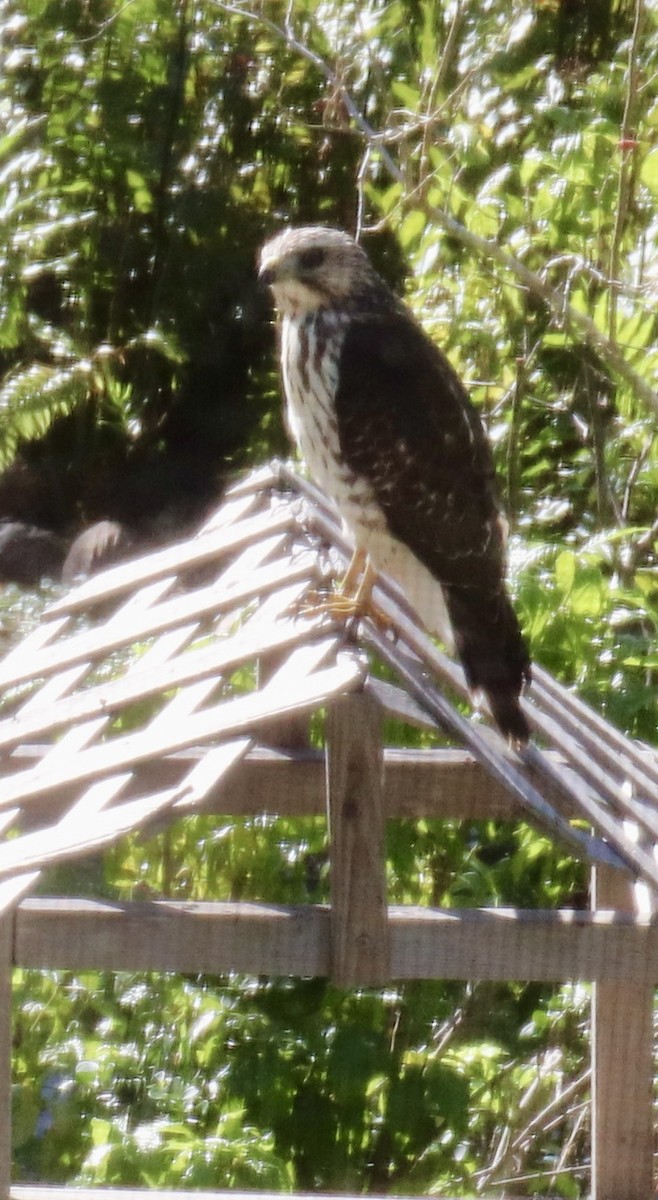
[
  {"x": 224, "y": 719},
  {"x": 623, "y": 764},
  {"x": 75, "y": 834},
  {"x": 122, "y": 704},
  {"x": 84, "y": 710},
  {"x": 208, "y": 545},
  {"x": 90, "y": 645},
  {"x": 507, "y": 772},
  {"x": 585, "y": 783},
  {"x": 623, "y": 757}
]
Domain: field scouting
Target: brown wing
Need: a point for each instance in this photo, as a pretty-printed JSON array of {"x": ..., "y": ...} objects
[{"x": 406, "y": 425}]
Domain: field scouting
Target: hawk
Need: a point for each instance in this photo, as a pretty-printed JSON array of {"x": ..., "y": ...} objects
[{"x": 387, "y": 431}]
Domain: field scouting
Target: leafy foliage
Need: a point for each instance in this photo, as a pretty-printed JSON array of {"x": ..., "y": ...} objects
[
  {"x": 501, "y": 159},
  {"x": 144, "y": 156},
  {"x": 294, "y": 1083}
]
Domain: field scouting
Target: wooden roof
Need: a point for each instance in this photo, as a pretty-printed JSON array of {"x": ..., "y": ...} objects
[{"x": 144, "y": 688}]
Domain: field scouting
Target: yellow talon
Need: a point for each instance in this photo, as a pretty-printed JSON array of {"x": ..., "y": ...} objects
[{"x": 354, "y": 600}]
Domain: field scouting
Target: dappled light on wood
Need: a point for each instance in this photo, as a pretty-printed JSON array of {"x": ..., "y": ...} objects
[{"x": 159, "y": 687}]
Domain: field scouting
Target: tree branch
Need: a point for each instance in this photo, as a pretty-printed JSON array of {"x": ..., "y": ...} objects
[
  {"x": 626, "y": 165},
  {"x": 488, "y": 251}
]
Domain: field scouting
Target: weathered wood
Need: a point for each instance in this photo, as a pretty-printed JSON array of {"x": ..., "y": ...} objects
[
  {"x": 434, "y": 784},
  {"x": 174, "y": 559},
  {"x": 225, "y": 719},
  {"x": 623, "y": 1140},
  {"x": 604, "y": 822},
  {"x": 234, "y": 507},
  {"x": 398, "y": 704},
  {"x": 355, "y": 802},
  {"x": 625, "y": 755},
  {"x": 79, "y": 814},
  {"x": 506, "y": 768},
  {"x": 597, "y": 771},
  {"x": 6, "y": 950},
  {"x": 86, "y": 827},
  {"x": 150, "y": 675},
  {"x": 495, "y": 944},
  {"x": 261, "y": 478},
  {"x": 95, "y": 643},
  {"x": 290, "y": 733},
  {"x": 256, "y": 938},
  {"x": 49, "y": 1192},
  {"x": 417, "y": 783}
]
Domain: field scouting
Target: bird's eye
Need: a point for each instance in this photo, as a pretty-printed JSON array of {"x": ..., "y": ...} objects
[{"x": 310, "y": 259}]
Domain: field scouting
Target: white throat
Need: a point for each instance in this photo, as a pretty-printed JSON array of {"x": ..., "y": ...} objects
[{"x": 294, "y": 299}]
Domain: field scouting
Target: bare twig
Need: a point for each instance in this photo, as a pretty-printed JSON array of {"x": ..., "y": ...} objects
[
  {"x": 637, "y": 550},
  {"x": 582, "y": 1116},
  {"x": 513, "y": 1152},
  {"x": 626, "y": 164},
  {"x": 438, "y": 83},
  {"x": 489, "y": 252}
]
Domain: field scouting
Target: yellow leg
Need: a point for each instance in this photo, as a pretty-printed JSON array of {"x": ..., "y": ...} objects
[
  {"x": 366, "y": 584},
  {"x": 350, "y": 584},
  {"x": 354, "y": 597}
]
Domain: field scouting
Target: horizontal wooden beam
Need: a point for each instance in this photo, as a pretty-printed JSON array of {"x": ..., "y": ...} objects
[
  {"x": 495, "y": 944},
  {"x": 417, "y": 783},
  {"x": 48, "y": 1192}
]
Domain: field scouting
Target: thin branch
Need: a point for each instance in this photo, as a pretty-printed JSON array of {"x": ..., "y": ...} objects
[
  {"x": 487, "y": 250},
  {"x": 581, "y": 1120},
  {"x": 636, "y": 466},
  {"x": 544, "y": 1120},
  {"x": 516, "y": 1149},
  {"x": 637, "y": 551},
  {"x": 444, "y": 69},
  {"x": 626, "y": 166}
]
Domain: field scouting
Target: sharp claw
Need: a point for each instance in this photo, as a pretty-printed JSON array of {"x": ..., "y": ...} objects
[
  {"x": 339, "y": 607},
  {"x": 352, "y": 602}
]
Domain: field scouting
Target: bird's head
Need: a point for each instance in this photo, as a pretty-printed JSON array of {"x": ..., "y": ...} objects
[{"x": 312, "y": 268}]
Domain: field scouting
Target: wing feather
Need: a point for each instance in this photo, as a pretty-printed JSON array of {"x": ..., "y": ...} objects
[{"x": 406, "y": 425}]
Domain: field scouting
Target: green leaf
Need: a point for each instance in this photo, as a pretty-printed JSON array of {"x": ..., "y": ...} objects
[
  {"x": 649, "y": 171},
  {"x": 412, "y": 227},
  {"x": 565, "y": 570}
]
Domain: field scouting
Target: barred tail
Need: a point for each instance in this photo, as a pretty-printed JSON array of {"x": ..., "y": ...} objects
[{"x": 493, "y": 654}]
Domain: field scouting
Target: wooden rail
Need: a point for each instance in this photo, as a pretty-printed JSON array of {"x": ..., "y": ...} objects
[
  {"x": 83, "y": 1193},
  {"x": 357, "y": 939},
  {"x": 74, "y": 777},
  {"x": 213, "y": 938}
]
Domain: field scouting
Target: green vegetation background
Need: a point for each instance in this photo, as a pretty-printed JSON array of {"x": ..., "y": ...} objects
[{"x": 502, "y": 160}]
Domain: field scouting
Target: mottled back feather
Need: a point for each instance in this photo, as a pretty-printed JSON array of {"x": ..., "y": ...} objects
[{"x": 406, "y": 424}]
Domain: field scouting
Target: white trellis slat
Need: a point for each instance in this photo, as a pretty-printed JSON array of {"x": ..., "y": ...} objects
[
  {"x": 93, "y": 827},
  {"x": 173, "y": 560},
  {"x": 219, "y": 720},
  {"x": 121, "y": 712},
  {"x": 204, "y": 602},
  {"x": 149, "y": 675}
]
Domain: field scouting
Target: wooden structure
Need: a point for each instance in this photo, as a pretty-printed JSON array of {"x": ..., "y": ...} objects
[{"x": 76, "y": 775}]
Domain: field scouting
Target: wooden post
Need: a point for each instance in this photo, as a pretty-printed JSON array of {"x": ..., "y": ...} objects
[
  {"x": 291, "y": 733},
  {"x": 622, "y": 1075},
  {"x": 359, "y": 915},
  {"x": 6, "y": 948}
]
